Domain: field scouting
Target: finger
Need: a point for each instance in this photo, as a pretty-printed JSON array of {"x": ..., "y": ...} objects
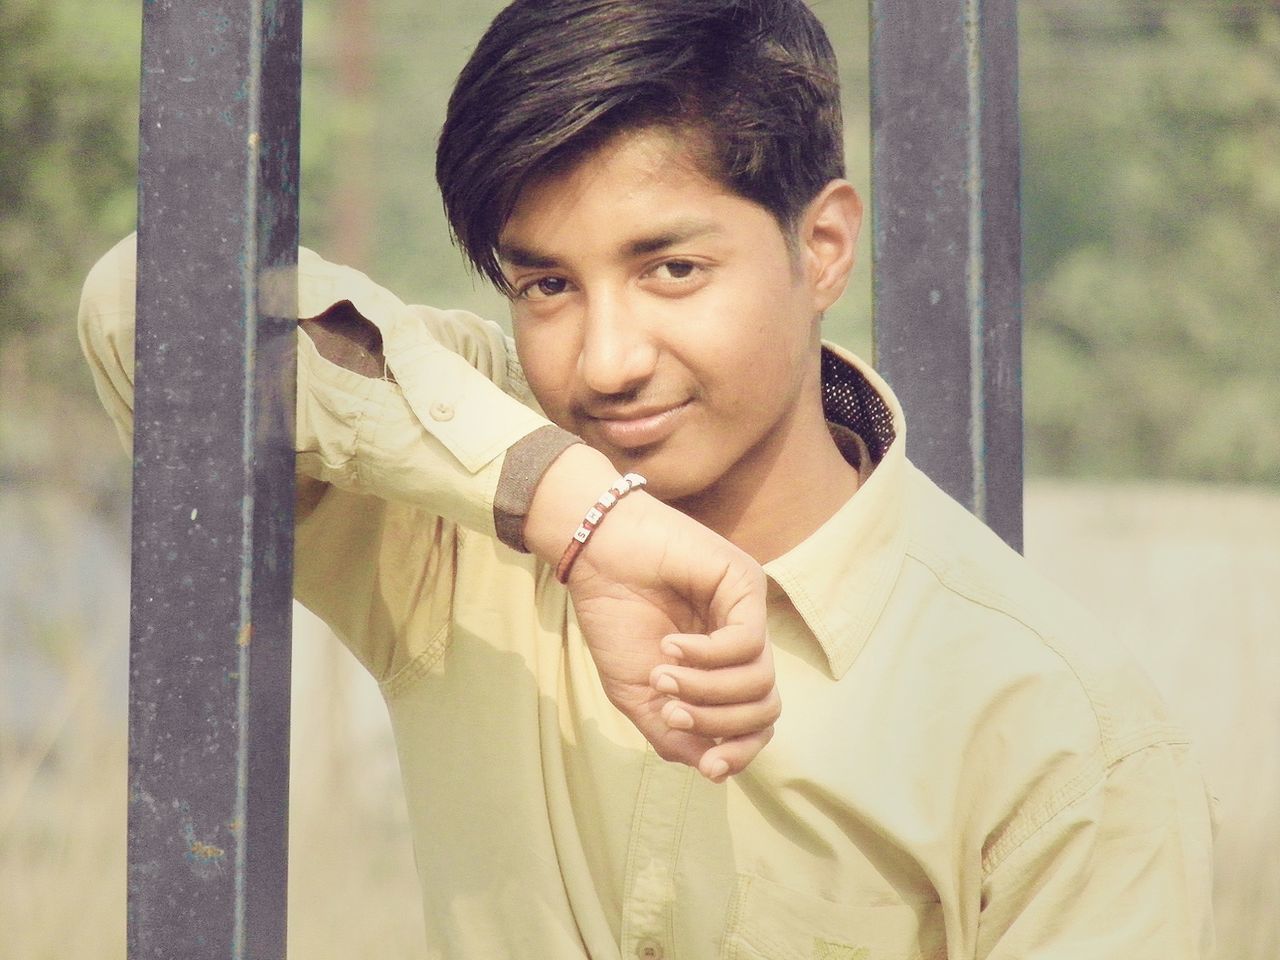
[
  {"x": 732, "y": 720},
  {"x": 680, "y": 746},
  {"x": 727, "y": 647},
  {"x": 740, "y": 684},
  {"x": 731, "y": 757},
  {"x": 740, "y": 599}
]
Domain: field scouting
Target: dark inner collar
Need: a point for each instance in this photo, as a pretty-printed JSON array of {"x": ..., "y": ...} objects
[{"x": 849, "y": 400}]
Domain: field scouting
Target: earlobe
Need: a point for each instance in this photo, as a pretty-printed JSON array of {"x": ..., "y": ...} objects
[{"x": 829, "y": 234}]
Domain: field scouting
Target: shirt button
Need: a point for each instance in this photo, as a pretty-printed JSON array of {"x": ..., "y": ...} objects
[
  {"x": 441, "y": 411},
  {"x": 648, "y": 949}
]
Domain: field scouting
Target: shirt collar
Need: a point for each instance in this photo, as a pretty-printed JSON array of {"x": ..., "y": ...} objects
[{"x": 839, "y": 578}]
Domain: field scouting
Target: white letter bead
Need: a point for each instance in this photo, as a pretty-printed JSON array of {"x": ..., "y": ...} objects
[{"x": 624, "y": 485}]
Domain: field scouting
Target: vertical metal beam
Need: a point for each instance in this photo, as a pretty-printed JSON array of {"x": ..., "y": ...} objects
[
  {"x": 947, "y": 242},
  {"x": 213, "y": 479}
]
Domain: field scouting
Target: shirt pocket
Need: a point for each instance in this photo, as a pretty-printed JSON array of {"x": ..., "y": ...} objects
[{"x": 772, "y": 922}]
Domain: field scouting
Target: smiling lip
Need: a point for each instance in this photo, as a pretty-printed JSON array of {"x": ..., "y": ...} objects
[{"x": 639, "y": 429}]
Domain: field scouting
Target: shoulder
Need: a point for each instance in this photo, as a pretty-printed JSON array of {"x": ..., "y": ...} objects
[
  {"x": 1040, "y": 699},
  {"x": 1004, "y": 615}
]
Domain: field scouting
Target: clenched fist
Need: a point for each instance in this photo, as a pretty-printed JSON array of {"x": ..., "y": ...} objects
[{"x": 674, "y": 616}]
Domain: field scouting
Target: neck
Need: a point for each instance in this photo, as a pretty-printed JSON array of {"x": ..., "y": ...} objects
[{"x": 777, "y": 497}]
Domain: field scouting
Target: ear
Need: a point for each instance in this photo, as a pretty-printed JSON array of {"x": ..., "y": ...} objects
[{"x": 828, "y": 238}]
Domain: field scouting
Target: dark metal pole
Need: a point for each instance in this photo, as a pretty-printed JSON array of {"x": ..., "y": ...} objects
[
  {"x": 213, "y": 479},
  {"x": 947, "y": 242}
]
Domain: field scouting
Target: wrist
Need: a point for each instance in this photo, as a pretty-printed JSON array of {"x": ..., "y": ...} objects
[{"x": 566, "y": 491}]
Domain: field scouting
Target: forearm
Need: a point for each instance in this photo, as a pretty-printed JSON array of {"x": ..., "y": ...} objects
[
  {"x": 569, "y": 484},
  {"x": 423, "y": 412},
  {"x": 439, "y": 440}
]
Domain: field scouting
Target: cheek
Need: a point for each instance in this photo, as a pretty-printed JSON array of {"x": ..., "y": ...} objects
[
  {"x": 765, "y": 347},
  {"x": 548, "y": 368}
]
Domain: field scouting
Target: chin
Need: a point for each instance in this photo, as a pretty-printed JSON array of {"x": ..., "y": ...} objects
[
  {"x": 673, "y": 486},
  {"x": 671, "y": 475}
]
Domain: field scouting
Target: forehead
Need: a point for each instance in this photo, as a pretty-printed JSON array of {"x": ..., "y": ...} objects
[{"x": 636, "y": 183}]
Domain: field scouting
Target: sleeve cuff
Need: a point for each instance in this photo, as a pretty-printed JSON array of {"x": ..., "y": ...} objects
[
  {"x": 348, "y": 340},
  {"x": 526, "y": 461}
]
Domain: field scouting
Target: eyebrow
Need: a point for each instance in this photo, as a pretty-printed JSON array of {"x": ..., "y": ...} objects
[
  {"x": 523, "y": 257},
  {"x": 681, "y": 231},
  {"x": 677, "y": 233}
]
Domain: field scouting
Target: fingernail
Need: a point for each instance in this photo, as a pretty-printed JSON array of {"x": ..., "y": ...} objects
[
  {"x": 680, "y": 719},
  {"x": 671, "y": 650},
  {"x": 666, "y": 683},
  {"x": 718, "y": 770}
]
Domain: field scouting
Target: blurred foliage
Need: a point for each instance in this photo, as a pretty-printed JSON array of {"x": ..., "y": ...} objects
[
  {"x": 1151, "y": 189},
  {"x": 1152, "y": 204},
  {"x": 68, "y": 135},
  {"x": 386, "y": 137}
]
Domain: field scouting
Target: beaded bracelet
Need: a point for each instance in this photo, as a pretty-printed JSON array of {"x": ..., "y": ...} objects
[{"x": 624, "y": 485}]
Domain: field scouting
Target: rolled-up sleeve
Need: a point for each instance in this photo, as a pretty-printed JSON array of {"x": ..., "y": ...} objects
[
  {"x": 436, "y": 432},
  {"x": 106, "y": 324},
  {"x": 435, "y": 436},
  {"x": 388, "y": 466}
]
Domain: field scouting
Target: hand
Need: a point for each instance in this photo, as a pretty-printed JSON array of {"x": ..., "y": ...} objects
[{"x": 674, "y": 616}]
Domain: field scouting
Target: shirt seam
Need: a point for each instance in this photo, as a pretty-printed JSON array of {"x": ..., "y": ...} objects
[
  {"x": 1111, "y": 749},
  {"x": 677, "y": 845},
  {"x": 1105, "y": 734},
  {"x": 363, "y": 393},
  {"x": 359, "y": 441},
  {"x": 729, "y": 949},
  {"x": 1072, "y": 792},
  {"x": 418, "y": 667},
  {"x": 364, "y": 430}
]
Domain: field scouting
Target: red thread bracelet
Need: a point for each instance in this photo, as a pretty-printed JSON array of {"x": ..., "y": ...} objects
[{"x": 624, "y": 485}]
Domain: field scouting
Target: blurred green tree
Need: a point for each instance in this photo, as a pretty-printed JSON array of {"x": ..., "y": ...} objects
[
  {"x": 1151, "y": 192},
  {"x": 1152, "y": 200},
  {"x": 68, "y": 135}
]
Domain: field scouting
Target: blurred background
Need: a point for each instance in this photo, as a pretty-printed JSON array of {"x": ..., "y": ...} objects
[{"x": 1151, "y": 135}]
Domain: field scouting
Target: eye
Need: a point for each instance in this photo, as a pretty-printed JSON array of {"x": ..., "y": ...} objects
[
  {"x": 542, "y": 288},
  {"x": 677, "y": 277},
  {"x": 675, "y": 269}
]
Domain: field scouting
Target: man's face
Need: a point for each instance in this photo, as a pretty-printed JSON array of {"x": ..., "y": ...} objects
[{"x": 663, "y": 319}]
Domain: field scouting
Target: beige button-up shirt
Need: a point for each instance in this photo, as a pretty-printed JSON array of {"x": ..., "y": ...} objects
[{"x": 966, "y": 766}]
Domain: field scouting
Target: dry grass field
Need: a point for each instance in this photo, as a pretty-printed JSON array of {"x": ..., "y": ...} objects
[{"x": 1189, "y": 577}]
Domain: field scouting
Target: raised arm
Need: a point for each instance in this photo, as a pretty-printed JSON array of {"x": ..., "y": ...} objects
[
  {"x": 674, "y": 615},
  {"x": 409, "y": 408}
]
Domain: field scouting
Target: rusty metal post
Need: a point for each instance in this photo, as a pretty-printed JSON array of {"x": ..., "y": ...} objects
[
  {"x": 947, "y": 242},
  {"x": 213, "y": 479}
]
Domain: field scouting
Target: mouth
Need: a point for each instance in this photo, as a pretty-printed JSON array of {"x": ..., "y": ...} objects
[{"x": 631, "y": 429}]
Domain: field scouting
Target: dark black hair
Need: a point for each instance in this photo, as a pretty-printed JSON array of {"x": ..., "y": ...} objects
[{"x": 753, "y": 83}]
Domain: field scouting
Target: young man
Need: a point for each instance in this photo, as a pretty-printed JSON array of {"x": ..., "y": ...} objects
[{"x": 964, "y": 767}]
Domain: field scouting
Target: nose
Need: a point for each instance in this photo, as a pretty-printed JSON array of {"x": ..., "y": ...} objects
[{"x": 618, "y": 352}]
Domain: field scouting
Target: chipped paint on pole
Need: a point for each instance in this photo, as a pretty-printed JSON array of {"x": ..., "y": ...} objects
[
  {"x": 947, "y": 242},
  {"x": 213, "y": 479}
]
